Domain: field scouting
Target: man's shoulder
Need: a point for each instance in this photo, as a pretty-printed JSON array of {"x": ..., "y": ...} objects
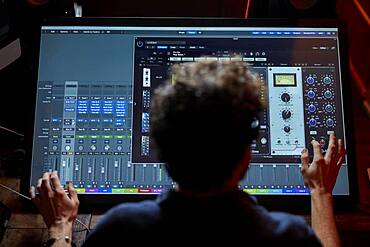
[
  {"x": 285, "y": 227},
  {"x": 129, "y": 213}
]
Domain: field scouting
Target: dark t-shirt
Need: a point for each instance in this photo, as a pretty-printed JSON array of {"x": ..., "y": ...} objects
[{"x": 233, "y": 217}]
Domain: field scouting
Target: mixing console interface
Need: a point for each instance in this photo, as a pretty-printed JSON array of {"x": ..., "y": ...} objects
[{"x": 95, "y": 133}]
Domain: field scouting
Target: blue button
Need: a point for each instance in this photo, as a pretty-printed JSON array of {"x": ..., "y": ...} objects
[
  {"x": 329, "y": 108},
  {"x": 310, "y": 80},
  {"x": 312, "y": 108},
  {"x": 191, "y": 32},
  {"x": 328, "y": 94},
  {"x": 327, "y": 80},
  {"x": 312, "y": 122},
  {"x": 311, "y": 94},
  {"x": 329, "y": 122}
]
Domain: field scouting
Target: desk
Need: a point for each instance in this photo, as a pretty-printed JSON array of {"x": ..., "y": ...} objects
[
  {"x": 30, "y": 230},
  {"x": 26, "y": 229}
]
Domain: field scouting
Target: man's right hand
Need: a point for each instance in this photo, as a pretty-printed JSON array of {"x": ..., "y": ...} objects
[{"x": 321, "y": 175}]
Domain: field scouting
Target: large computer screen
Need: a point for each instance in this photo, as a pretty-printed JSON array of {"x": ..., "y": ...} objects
[{"x": 95, "y": 86}]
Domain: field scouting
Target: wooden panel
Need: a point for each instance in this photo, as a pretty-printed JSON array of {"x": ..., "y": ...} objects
[
  {"x": 26, "y": 221},
  {"x": 79, "y": 231},
  {"x": 10, "y": 199},
  {"x": 24, "y": 237}
]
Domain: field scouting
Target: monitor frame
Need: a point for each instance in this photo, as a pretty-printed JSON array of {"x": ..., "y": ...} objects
[{"x": 290, "y": 203}]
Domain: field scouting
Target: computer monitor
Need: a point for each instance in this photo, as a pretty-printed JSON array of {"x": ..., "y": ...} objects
[{"x": 97, "y": 77}]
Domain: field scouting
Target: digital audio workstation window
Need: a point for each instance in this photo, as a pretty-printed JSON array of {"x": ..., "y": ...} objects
[{"x": 96, "y": 83}]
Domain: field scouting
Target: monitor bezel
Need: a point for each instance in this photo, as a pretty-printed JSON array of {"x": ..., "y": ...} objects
[{"x": 291, "y": 203}]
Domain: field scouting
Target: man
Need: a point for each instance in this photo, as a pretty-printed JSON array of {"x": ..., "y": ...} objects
[{"x": 202, "y": 125}]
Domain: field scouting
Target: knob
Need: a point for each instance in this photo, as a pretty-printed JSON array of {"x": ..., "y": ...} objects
[
  {"x": 67, "y": 148},
  {"x": 311, "y": 94},
  {"x": 285, "y": 97},
  {"x": 287, "y": 129},
  {"x": 286, "y": 114},
  {"x": 311, "y": 108},
  {"x": 55, "y": 148},
  {"x": 263, "y": 140},
  {"x": 93, "y": 147},
  {"x": 310, "y": 80},
  {"x": 327, "y": 80},
  {"x": 322, "y": 143},
  {"x": 80, "y": 148},
  {"x": 119, "y": 148},
  {"x": 106, "y": 147},
  {"x": 312, "y": 122},
  {"x": 329, "y": 122},
  {"x": 328, "y": 94},
  {"x": 329, "y": 108}
]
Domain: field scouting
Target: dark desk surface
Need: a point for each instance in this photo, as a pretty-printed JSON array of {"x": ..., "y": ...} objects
[{"x": 26, "y": 229}]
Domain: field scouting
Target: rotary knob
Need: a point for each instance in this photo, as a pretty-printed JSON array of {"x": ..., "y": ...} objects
[
  {"x": 327, "y": 80},
  {"x": 287, "y": 129},
  {"x": 310, "y": 80},
  {"x": 93, "y": 147},
  {"x": 312, "y": 122},
  {"x": 285, "y": 97},
  {"x": 119, "y": 148},
  {"x": 286, "y": 114},
  {"x": 328, "y": 94},
  {"x": 329, "y": 122},
  {"x": 311, "y": 108},
  {"x": 311, "y": 94},
  {"x": 106, "y": 147},
  {"x": 329, "y": 108}
]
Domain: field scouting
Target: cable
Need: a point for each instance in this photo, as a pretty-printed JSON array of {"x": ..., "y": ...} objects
[
  {"x": 29, "y": 198},
  {"x": 11, "y": 131}
]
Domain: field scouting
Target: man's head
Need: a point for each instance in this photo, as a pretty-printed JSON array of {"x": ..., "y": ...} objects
[{"x": 201, "y": 121}]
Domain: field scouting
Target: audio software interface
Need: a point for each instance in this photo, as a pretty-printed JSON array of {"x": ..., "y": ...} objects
[{"x": 96, "y": 83}]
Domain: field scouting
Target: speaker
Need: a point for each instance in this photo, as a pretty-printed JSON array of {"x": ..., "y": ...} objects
[{"x": 292, "y": 9}]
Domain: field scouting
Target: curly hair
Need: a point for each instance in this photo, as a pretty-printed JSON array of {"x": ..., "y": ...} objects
[{"x": 202, "y": 121}]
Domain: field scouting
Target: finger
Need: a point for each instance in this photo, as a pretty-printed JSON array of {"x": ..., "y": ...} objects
[
  {"x": 38, "y": 186},
  {"x": 305, "y": 159},
  {"x": 330, "y": 153},
  {"x": 55, "y": 180},
  {"x": 72, "y": 192},
  {"x": 45, "y": 185},
  {"x": 32, "y": 193},
  {"x": 34, "y": 199},
  {"x": 317, "y": 153},
  {"x": 341, "y": 153},
  {"x": 57, "y": 185}
]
